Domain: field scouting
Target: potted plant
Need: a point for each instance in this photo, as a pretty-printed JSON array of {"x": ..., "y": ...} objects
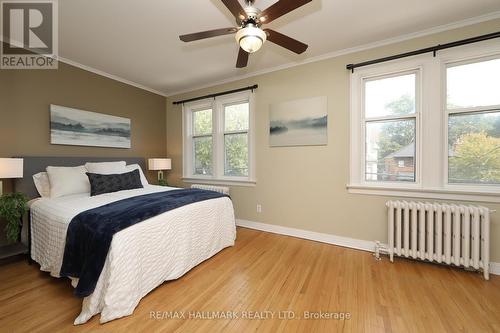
[{"x": 12, "y": 208}]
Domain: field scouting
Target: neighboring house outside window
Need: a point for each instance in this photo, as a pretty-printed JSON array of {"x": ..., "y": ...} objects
[{"x": 400, "y": 164}]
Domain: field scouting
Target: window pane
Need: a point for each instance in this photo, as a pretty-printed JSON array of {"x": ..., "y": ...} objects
[
  {"x": 474, "y": 148},
  {"x": 236, "y": 117},
  {"x": 202, "y": 155},
  {"x": 236, "y": 154},
  {"x": 202, "y": 121},
  {"x": 390, "y": 151},
  {"x": 390, "y": 96},
  {"x": 473, "y": 85}
]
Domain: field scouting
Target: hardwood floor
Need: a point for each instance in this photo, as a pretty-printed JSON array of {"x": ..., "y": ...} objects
[{"x": 268, "y": 275}]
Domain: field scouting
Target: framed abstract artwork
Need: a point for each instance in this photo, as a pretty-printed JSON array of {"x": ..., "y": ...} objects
[
  {"x": 70, "y": 126},
  {"x": 302, "y": 122}
]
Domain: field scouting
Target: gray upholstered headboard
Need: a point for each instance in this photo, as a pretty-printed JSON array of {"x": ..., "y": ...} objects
[{"x": 35, "y": 164}]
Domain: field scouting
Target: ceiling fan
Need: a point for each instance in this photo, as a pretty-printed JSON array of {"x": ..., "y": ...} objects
[{"x": 249, "y": 34}]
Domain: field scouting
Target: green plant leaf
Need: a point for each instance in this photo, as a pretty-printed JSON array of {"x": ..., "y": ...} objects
[{"x": 12, "y": 208}]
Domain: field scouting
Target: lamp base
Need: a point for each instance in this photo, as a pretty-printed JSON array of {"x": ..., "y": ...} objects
[
  {"x": 161, "y": 180},
  {"x": 1, "y": 188}
]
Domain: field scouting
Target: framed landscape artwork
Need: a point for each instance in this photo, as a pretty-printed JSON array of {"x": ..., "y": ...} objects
[
  {"x": 302, "y": 122},
  {"x": 70, "y": 126}
]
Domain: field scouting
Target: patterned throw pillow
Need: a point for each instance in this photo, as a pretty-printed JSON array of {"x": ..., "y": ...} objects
[{"x": 100, "y": 184}]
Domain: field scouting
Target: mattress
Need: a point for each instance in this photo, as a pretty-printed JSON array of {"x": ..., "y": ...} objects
[{"x": 140, "y": 257}]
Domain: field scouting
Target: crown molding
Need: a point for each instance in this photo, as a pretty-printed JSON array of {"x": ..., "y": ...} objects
[
  {"x": 355, "y": 49},
  {"x": 110, "y": 76},
  {"x": 105, "y": 74},
  {"x": 384, "y": 42}
]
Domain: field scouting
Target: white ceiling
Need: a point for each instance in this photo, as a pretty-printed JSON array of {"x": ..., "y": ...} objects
[{"x": 138, "y": 40}]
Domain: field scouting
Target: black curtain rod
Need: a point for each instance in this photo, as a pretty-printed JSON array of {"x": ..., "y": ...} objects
[
  {"x": 252, "y": 88},
  {"x": 432, "y": 49}
]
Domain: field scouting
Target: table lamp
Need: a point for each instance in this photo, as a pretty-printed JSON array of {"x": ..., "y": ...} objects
[
  {"x": 160, "y": 164},
  {"x": 10, "y": 168}
]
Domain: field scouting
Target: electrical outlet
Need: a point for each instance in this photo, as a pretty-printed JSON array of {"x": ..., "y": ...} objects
[{"x": 259, "y": 208}]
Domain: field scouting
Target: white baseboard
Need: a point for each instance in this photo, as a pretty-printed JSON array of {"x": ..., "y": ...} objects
[
  {"x": 352, "y": 243},
  {"x": 495, "y": 268}
]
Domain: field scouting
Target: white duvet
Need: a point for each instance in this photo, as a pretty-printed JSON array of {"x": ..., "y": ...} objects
[{"x": 140, "y": 257}]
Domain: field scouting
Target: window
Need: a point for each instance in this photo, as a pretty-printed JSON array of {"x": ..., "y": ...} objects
[
  {"x": 218, "y": 140},
  {"x": 428, "y": 126},
  {"x": 473, "y": 110},
  {"x": 202, "y": 142},
  {"x": 390, "y": 122},
  {"x": 236, "y": 122}
]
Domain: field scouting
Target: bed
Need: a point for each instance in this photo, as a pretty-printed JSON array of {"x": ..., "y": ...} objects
[{"x": 140, "y": 257}]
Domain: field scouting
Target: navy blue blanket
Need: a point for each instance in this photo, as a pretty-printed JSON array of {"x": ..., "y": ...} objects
[{"x": 90, "y": 233}]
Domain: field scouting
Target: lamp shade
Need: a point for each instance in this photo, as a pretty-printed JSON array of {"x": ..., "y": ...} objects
[
  {"x": 250, "y": 38},
  {"x": 11, "y": 168},
  {"x": 160, "y": 164}
]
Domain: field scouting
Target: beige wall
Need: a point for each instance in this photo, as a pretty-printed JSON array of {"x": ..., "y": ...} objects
[
  {"x": 305, "y": 187},
  {"x": 25, "y": 96}
]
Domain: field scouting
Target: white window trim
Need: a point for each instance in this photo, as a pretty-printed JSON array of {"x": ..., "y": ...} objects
[
  {"x": 432, "y": 132},
  {"x": 217, "y": 105},
  {"x": 417, "y": 116}
]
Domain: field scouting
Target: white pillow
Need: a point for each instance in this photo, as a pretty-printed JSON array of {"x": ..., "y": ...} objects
[
  {"x": 106, "y": 168},
  {"x": 42, "y": 184},
  {"x": 132, "y": 167},
  {"x": 68, "y": 180}
]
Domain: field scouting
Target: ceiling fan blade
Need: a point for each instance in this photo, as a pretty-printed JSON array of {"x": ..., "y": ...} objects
[
  {"x": 285, "y": 41},
  {"x": 207, "y": 34},
  {"x": 235, "y": 8},
  {"x": 242, "y": 58},
  {"x": 280, "y": 8}
]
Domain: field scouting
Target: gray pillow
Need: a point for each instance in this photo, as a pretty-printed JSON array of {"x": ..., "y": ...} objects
[{"x": 100, "y": 184}]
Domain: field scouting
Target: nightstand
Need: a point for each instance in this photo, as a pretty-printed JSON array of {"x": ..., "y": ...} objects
[
  {"x": 14, "y": 249},
  {"x": 11, "y": 250}
]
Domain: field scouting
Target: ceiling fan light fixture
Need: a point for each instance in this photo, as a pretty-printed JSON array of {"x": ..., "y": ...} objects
[
  {"x": 251, "y": 38},
  {"x": 249, "y": 35}
]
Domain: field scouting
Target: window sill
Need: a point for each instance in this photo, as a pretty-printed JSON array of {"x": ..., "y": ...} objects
[
  {"x": 440, "y": 194},
  {"x": 212, "y": 181}
]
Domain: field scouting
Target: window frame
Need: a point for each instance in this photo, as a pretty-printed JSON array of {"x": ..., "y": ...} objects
[
  {"x": 217, "y": 105},
  {"x": 463, "y": 111},
  {"x": 416, "y": 116},
  {"x": 194, "y": 136},
  {"x": 224, "y": 133},
  {"x": 431, "y": 179}
]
